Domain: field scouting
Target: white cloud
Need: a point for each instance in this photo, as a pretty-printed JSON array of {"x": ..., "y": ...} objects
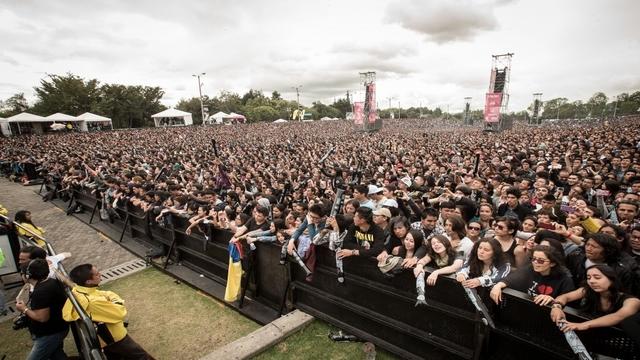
[{"x": 431, "y": 51}]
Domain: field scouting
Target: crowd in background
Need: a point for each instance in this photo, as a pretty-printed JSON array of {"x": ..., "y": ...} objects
[{"x": 551, "y": 211}]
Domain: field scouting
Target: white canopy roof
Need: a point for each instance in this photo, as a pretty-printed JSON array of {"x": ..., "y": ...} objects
[
  {"x": 219, "y": 115},
  {"x": 280, "y": 121},
  {"x": 92, "y": 117},
  {"x": 236, "y": 116},
  {"x": 26, "y": 117},
  {"x": 61, "y": 117},
  {"x": 169, "y": 113}
]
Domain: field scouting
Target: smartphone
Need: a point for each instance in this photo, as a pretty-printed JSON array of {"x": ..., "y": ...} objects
[
  {"x": 560, "y": 190},
  {"x": 567, "y": 209},
  {"x": 603, "y": 193},
  {"x": 546, "y": 226}
]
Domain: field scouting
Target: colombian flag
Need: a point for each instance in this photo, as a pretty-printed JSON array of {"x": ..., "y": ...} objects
[{"x": 234, "y": 275}]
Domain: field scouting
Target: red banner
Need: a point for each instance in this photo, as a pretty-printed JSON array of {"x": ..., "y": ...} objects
[
  {"x": 492, "y": 108},
  {"x": 358, "y": 113},
  {"x": 371, "y": 101}
]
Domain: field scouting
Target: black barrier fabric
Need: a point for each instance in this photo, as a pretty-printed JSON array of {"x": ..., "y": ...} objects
[{"x": 378, "y": 308}]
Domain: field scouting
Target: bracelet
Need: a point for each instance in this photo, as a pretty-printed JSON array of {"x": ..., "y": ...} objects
[
  {"x": 556, "y": 305},
  {"x": 353, "y": 252}
]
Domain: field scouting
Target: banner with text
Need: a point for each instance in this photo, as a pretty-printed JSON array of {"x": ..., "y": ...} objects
[{"x": 492, "y": 108}]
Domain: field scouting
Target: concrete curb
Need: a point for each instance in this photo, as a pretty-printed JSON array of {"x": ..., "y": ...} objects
[{"x": 263, "y": 338}]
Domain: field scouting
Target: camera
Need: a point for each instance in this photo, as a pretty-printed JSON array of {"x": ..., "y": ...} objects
[
  {"x": 21, "y": 322},
  {"x": 398, "y": 193}
]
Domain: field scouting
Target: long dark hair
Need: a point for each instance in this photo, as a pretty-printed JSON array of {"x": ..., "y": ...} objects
[
  {"x": 476, "y": 265},
  {"x": 21, "y": 217},
  {"x": 591, "y": 302},
  {"x": 451, "y": 253},
  {"x": 418, "y": 239},
  {"x": 554, "y": 256},
  {"x": 610, "y": 245}
]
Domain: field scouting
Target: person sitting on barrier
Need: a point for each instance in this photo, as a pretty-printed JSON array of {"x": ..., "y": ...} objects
[
  {"x": 43, "y": 311},
  {"x": 485, "y": 267},
  {"x": 545, "y": 279},
  {"x": 107, "y": 311},
  {"x": 440, "y": 255},
  {"x": 604, "y": 249},
  {"x": 363, "y": 238},
  {"x": 28, "y": 229},
  {"x": 603, "y": 302}
]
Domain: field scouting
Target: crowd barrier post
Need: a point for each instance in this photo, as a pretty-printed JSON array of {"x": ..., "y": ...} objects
[{"x": 174, "y": 239}]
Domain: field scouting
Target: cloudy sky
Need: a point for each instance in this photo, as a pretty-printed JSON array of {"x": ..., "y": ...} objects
[{"x": 429, "y": 52}]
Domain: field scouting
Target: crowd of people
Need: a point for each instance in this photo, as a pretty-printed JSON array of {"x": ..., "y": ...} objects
[{"x": 551, "y": 211}]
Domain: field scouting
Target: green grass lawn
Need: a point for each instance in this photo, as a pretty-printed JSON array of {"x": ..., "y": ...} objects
[
  {"x": 171, "y": 321},
  {"x": 313, "y": 342}
]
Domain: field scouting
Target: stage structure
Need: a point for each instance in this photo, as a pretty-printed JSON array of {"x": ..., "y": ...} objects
[
  {"x": 468, "y": 120},
  {"x": 497, "y": 98},
  {"x": 367, "y": 119},
  {"x": 535, "y": 111}
]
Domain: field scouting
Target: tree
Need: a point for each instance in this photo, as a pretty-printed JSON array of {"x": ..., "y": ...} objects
[
  {"x": 261, "y": 113},
  {"x": 343, "y": 106},
  {"x": 276, "y": 95},
  {"x": 14, "y": 105},
  {"x": 193, "y": 106},
  {"x": 129, "y": 106},
  {"x": 69, "y": 94},
  {"x": 320, "y": 110}
]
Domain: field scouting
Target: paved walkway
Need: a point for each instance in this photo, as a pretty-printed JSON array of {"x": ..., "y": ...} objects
[{"x": 65, "y": 233}]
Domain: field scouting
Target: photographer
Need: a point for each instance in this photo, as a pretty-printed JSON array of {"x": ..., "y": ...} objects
[{"x": 43, "y": 312}]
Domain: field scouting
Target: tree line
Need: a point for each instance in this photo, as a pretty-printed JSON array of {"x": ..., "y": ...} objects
[
  {"x": 126, "y": 105},
  {"x": 133, "y": 105}
]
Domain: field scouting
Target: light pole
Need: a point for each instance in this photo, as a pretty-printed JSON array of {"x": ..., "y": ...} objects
[
  {"x": 297, "y": 88},
  {"x": 200, "y": 92}
]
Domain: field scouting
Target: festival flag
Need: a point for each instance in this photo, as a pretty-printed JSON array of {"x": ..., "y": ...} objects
[{"x": 234, "y": 274}]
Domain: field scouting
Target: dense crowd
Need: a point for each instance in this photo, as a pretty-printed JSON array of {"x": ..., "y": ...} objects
[{"x": 551, "y": 211}]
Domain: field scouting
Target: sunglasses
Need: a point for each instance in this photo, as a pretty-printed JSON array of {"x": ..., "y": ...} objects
[
  {"x": 473, "y": 228},
  {"x": 539, "y": 261}
]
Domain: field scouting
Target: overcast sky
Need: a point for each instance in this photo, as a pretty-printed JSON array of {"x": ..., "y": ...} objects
[{"x": 433, "y": 52}]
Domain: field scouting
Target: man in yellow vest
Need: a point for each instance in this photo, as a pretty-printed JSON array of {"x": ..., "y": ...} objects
[{"x": 107, "y": 311}]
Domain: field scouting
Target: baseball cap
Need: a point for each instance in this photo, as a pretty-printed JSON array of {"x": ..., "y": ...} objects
[
  {"x": 383, "y": 212},
  {"x": 373, "y": 189}
]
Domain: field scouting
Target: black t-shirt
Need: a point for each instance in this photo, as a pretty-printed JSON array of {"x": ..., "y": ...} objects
[
  {"x": 251, "y": 225},
  {"x": 48, "y": 294},
  {"x": 533, "y": 283}
]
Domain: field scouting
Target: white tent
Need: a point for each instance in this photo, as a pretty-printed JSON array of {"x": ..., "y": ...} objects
[
  {"x": 61, "y": 117},
  {"x": 218, "y": 117},
  {"x": 26, "y": 117},
  {"x": 237, "y": 117},
  {"x": 89, "y": 118},
  {"x": 172, "y": 117},
  {"x": 34, "y": 122},
  {"x": 5, "y": 129},
  {"x": 280, "y": 121}
]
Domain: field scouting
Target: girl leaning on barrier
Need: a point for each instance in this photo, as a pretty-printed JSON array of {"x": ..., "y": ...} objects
[
  {"x": 486, "y": 265},
  {"x": 603, "y": 301},
  {"x": 545, "y": 279}
]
